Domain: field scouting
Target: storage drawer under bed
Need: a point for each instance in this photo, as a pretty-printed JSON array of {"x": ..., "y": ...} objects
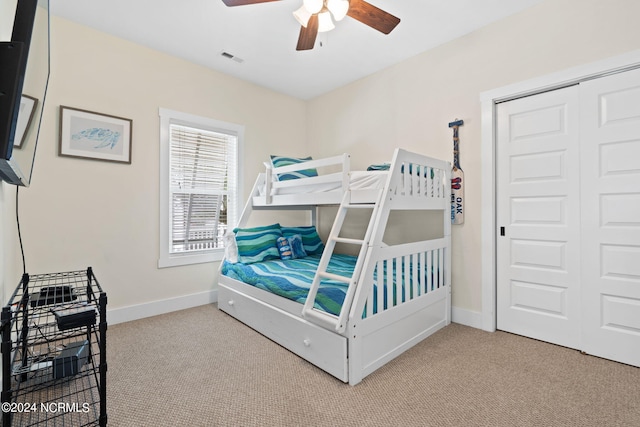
[{"x": 323, "y": 348}]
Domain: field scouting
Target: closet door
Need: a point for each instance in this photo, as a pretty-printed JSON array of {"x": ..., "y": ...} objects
[
  {"x": 538, "y": 194},
  {"x": 610, "y": 196}
]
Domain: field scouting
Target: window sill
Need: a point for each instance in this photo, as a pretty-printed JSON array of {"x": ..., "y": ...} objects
[{"x": 188, "y": 259}]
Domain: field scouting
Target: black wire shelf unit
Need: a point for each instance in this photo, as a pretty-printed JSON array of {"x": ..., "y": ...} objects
[{"x": 54, "y": 367}]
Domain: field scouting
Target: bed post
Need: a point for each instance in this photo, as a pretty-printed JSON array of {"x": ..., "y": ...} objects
[
  {"x": 268, "y": 176},
  {"x": 447, "y": 236},
  {"x": 248, "y": 207},
  {"x": 346, "y": 168}
]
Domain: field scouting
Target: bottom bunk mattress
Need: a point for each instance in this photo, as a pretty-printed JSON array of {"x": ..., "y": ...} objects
[{"x": 292, "y": 279}]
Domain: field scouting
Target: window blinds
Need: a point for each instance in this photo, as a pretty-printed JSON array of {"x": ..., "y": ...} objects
[{"x": 203, "y": 187}]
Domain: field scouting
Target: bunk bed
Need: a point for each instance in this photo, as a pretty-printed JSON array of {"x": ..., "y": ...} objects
[{"x": 347, "y": 314}]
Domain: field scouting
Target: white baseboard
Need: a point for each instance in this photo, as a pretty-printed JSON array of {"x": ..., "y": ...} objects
[
  {"x": 466, "y": 317},
  {"x": 154, "y": 308}
]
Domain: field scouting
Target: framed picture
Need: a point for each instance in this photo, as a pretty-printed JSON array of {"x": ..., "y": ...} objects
[
  {"x": 25, "y": 117},
  {"x": 95, "y": 136}
]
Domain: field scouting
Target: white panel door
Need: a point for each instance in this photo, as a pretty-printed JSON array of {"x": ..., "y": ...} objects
[
  {"x": 538, "y": 194},
  {"x": 610, "y": 197}
]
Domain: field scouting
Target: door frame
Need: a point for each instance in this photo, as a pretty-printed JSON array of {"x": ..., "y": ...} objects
[{"x": 488, "y": 101}]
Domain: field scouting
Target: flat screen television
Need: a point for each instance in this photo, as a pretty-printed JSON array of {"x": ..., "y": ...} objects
[{"x": 24, "y": 77}]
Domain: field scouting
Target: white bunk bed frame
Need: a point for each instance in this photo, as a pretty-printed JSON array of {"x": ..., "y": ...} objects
[{"x": 349, "y": 346}]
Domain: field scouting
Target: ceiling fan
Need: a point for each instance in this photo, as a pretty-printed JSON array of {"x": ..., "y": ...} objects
[{"x": 316, "y": 16}]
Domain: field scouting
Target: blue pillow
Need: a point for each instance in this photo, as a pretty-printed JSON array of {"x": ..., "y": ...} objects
[
  {"x": 278, "y": 161},
  {"x": 297, "y": 248},
  {"x": 284, "y": 248},
  {"x": 379, "y": 167},
  {"x": 257, "y": 244},
  {"x": 291, "y": 247},
  {"x": 310, "y": 238},
  {"x": 417, "y": 170}
]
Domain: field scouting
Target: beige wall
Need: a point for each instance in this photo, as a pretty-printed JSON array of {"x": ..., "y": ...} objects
[
  {"x": 80, "y": 213},
  {"x": 410, "y": 105}
]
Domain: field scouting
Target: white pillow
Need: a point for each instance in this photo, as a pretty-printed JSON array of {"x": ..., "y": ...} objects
[{"x": 230, "y": 247}]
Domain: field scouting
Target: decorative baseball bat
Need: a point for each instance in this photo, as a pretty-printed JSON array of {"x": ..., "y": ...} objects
[{"x": 457, "y": 179}]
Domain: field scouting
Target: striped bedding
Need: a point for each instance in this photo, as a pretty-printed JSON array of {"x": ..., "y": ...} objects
[{"x": 292, "y": 279}]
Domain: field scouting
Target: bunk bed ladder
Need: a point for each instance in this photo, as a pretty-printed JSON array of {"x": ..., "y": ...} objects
[{"x": 322, "y": 318}]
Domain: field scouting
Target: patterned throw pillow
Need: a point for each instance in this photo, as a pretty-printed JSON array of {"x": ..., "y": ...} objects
[
  {"x": 257, "y": 244},
  {"x": 284, "y": 248},
  {"x": 297, "y": 248},
  {"x": 291, "y": 247},
  {"x": 310, "y": 238},
  {"x": 278, "y": 161}
]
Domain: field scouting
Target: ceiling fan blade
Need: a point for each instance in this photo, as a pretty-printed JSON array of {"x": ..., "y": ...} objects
[
  {"x": 307, "y": 38},
  {"x": 244, "y": 2},
  {"x": 372, "y": 16}
]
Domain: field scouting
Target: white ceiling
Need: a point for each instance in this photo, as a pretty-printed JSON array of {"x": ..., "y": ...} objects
[{"x": 264, "y": 36}]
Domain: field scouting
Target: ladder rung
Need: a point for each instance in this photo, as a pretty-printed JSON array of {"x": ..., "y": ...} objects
[
  {"x": 347, "y": 240},
  {"x": 334, "y": 276},
  {"x": 359, "y": 205}
]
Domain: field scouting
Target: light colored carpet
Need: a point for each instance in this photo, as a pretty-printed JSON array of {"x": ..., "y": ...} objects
[{"x": 201, "y": 367}]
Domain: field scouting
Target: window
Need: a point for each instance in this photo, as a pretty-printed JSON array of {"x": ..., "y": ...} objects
[{"x": 199, "y": 187}]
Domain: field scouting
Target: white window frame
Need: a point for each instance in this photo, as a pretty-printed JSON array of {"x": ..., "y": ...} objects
[{"x": 167, "y": 118}]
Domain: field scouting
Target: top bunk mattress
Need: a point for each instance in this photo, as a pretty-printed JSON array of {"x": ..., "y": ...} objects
[{"x": 358, "y": 180}]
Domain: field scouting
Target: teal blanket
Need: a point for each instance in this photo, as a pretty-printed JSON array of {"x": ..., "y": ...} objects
[{"x": 292, "y": 278}]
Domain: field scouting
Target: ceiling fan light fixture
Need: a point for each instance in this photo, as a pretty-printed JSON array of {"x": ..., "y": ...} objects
[
  {"x": 338, "y": 8},
  {"x": 313, "y": 6},
  {"x": 325, "y": 23},
  {"x": 302, "y": 15}
]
